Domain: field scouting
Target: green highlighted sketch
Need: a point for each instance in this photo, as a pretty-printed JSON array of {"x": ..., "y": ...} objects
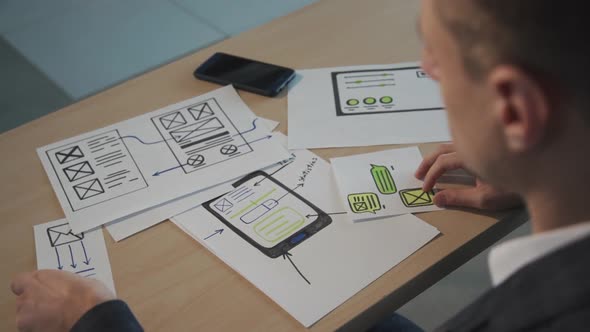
[
  {"x": 383, "y": 179},
  {"x": 252, "y": 203},
  {"x": 386, "y": 100},
  {"x": 352, "y": 102},
  {"x": 279, "y": 225},
  {"x": 364, "y": 202},
  {"x": 416, "y": 197}
]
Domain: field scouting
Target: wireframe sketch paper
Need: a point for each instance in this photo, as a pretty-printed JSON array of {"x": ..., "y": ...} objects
[
  {"x": 130, "y": 225},
  {"x": 285, "y": 230},
  {"x": 131, "y": 166},
  {"x": 59, "y": 248},
  {"x": 382, "y": 184},
  {"x": 365, "y": 105}
]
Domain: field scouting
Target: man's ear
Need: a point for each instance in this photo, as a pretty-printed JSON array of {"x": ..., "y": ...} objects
[{"x": 521, "y": 107}]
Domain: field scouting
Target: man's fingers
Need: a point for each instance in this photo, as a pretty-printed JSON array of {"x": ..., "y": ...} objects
[
  {"x": 431, "y": 158},
  {"x": 480, "y": 198},
  {"x": 20, "y": 282},
  {"x": 443, "y": 163}
]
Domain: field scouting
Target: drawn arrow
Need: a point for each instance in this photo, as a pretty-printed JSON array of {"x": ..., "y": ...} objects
[
  {"x": 72, "y": 257},
  {"x": 218, "y": 231},
  {"x": 330, "y": 214},
  {"x": 87, "y": 260},
  {"x": 249, "y": 130},
  {"x": 256, "y": 140},
  {"x": 158, "y": 173},
  {"x": 273, "y": 173},
  {"x": 296, "y": 187},
  {"x": 59, "y": 266},
  {"x": 288, "y": 256}
]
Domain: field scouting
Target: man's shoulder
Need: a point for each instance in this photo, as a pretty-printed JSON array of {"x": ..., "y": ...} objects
[{"x": 550, "y": 294}]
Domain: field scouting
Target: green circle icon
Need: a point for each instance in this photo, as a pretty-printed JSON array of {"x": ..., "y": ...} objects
[
  {"x": 386, "y": 100},
  {"x": 352, "y": 102},
  {"x": 369, "y": 100}
]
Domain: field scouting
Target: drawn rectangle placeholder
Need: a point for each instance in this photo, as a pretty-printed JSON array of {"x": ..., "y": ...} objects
[
  {"x": 384, "y": 91},
  {"x": 201, "y": 135},
  {"x": 96, "y": 169}
]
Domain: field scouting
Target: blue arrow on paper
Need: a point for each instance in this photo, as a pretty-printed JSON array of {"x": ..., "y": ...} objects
[
  {"x": 59, "y": 266},
  {"x": 218, "y": 231},
  {"x": 72, "y": 257},
  {"x": 158, "y": 173},
  {"x": 87, "y": 260}
]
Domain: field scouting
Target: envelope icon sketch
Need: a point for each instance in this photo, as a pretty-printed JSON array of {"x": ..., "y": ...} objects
[
  {"x": 62, "y": 234},
  {"x": 173, "y": 120},
  {"x": 69, "y": 154},
  {"x": 78, "y": 171},
  {"x": 416, "y": 197},
  {"x": 88, "y": 189},
  {"x": 204, "y": 127},
  {"x": 201, "y": 111}
]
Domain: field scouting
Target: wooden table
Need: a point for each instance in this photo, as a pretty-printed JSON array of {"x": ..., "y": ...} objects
[{"x": 173, "y": 283}]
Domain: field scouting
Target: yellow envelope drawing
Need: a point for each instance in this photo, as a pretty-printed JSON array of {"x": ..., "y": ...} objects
[
  {"x": 78, "y": 171},
  {"x": 88, "y": 189},
  {"x": 416, "y": 197},
  {"x": 201, "y": 111},
  {"x": 197, "y": 129},
  {"x": 62, "y": 234}
]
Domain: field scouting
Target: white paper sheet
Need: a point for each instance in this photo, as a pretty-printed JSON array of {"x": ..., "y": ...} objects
[
  {"x": 85, "y": 254},
  {"x": 140, "y": 163},
  {"x": 312, "y": 273},
  {"x": 133, "y": 224},
  {"x": 382, "y": 184},
  {"x": 365, "y": 105}
]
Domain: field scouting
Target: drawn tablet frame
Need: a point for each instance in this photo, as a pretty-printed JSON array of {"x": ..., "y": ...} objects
[
  {"x": 337, "y": 94},
  {"x": 322, "y": 220}
]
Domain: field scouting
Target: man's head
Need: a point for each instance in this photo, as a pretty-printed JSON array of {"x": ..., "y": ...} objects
[{"x": 512, "y": 77}]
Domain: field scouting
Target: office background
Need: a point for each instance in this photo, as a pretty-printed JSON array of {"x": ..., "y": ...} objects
[{"x": 54, "y": 53}]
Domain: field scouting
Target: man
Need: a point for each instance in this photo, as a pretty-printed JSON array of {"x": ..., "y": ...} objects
[{"x": 512, "y": 75}]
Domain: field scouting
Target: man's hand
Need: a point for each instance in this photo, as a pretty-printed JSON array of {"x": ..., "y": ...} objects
[
  {"x": 51, "y": 300},
  {"x": 483, "y": 196}
]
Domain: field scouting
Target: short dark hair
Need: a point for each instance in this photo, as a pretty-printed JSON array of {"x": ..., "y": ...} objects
[{"x": 544, "y": 37}]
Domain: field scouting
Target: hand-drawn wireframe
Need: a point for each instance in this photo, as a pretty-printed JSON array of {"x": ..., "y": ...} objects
[
  {"x": 379, "y": 91},
  {"x": 267, "y": 214},
  {"x": 201, "y": 135},
  {"x": 96, "y": 169},
  {"x": 383, "y": 180},
  {"x": 416, "y": 197},
  {"x": 61, "y": 236},
  {"x": 364, "y": 203}
]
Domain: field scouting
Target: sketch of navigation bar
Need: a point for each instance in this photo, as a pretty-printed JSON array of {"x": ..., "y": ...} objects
[
  {"x": 201, "y": 135},
  {"x": 384, "y": 90},
  {"x": 96, "y": 169}
]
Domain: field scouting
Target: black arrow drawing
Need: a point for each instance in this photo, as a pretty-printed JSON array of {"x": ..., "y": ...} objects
[
  {"x": 256, "y": 140},
  {"x": 86, "y": 259},
  {"x": 218, "y": 231},
  {"x": 296, "y": 187},
  {"x": 273, "y": 173},
  {"x": 330, "y": 214},
  {"x": 288, "y": 256},
  {"x": 59, "y": 266},
  {"x": 158, "y": 173},
  {"x": 72, "y": 257}
]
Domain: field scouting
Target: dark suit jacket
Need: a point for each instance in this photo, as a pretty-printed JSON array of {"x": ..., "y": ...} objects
[{"x": 550, "y": 294}]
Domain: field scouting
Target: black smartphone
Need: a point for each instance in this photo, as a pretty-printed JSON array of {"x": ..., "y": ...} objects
[
  {"x": 245, "y": 74},
  {"x": 267, "y": 214}
]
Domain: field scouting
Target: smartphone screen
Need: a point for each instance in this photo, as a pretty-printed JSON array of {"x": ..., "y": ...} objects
[
  {"x": 244, "y": 73},
  {"x": 267, "y": 214}
]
